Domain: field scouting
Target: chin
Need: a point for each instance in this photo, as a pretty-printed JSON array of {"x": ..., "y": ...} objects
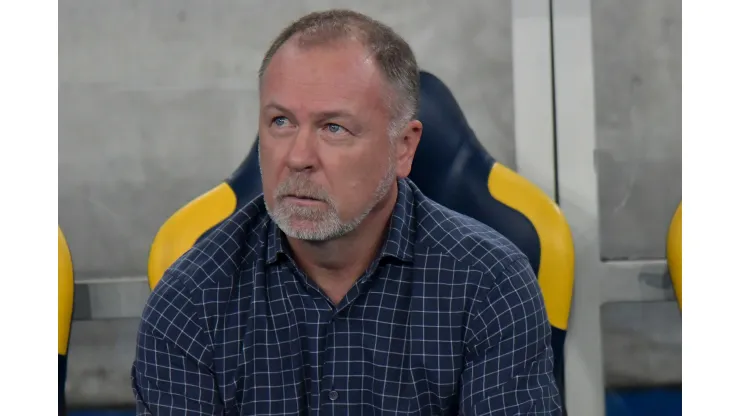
[
  {"x": 305, "y": 234},
  {"x": 316, "y": 231}
]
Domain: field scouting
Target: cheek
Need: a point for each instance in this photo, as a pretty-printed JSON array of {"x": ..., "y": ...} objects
[
  {"x": 269, "y": 167},
  {"x": 355, "y": 179}
]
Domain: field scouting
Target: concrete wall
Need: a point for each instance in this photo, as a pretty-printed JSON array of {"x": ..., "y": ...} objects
[
  {"x": 158, "y": 103},
  {"x": 637, "y": 92},
  {"x": 637, "y": 71}
]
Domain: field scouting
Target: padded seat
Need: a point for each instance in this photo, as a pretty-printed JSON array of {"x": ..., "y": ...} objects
[{"x": 452, "y": 167}]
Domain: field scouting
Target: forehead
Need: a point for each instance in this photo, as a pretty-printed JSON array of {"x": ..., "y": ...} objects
[{"x": 339, "y": 74}]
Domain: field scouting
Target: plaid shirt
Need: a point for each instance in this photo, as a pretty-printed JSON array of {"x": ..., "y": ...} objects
[{"x": 449, "y": 319}]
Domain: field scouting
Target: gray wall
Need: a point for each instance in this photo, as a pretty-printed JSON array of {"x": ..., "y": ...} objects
[
  {"x": 637, "y": 71},
  {"x": 637, "y": 92},
  {"x": 158, "y": 103}
]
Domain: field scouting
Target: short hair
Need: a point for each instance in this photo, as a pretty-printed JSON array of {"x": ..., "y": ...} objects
[{"x": 391, "y": 53}]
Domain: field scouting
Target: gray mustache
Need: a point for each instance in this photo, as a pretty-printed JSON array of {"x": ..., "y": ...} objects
[{"x": 302, "y": 189}]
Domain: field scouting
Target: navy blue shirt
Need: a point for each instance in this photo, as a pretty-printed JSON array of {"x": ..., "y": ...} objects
[{"x": 448, "y": 319}]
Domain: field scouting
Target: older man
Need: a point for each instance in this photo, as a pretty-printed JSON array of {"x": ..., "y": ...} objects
[{"x": 343, "y": 290}]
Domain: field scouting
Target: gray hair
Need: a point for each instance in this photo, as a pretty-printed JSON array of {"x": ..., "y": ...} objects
[{"x": 391, "y": 54}]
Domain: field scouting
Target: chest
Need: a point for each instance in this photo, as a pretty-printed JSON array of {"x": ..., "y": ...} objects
[{"x": 387, "y": 348}]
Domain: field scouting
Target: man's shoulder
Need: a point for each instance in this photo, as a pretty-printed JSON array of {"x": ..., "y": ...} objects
[
  {"x": 220, "y": 254},
  {"x": 468, "y": 241},
  {"x": 476, "y": 256}
]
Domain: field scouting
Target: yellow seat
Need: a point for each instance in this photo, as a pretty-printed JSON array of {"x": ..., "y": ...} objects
[
  {"x": 180, "y": 232},
  {"x": 452, "y": 168},
  {"x": 674, "y": 253},
  {"x": 65, "y": 290}
]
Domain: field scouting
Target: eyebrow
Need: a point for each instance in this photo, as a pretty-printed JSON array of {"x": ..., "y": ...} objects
[{"x": 324, "y": 115}]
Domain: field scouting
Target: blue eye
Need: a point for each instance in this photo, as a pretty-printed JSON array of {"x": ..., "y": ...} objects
[
  {"x": 334, "y": 128},
  {"x": 280, "y": 121}
]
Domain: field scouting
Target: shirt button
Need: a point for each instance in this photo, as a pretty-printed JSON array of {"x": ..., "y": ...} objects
[{"x": 333, "y": 395}]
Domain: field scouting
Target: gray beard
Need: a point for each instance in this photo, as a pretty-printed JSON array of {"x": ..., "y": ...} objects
[{"x": 326, "y": 222}]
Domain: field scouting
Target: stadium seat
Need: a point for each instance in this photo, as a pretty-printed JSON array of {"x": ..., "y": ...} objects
[
  {"x": 451, "y": 167},
  {"x": 674, "y": 253},
  {"x": 66, "y": 300}
]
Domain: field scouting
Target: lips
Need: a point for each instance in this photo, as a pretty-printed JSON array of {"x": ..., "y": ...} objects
[{"x": 306, "y": 197}]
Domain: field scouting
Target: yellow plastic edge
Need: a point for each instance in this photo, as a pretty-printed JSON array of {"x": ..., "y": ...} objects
[
  {"x": 65, "y": 290},
  {"x": 180, "y": 232},
  {"x": 557, "y": 257},
  {"x": 674, "y": 254}
]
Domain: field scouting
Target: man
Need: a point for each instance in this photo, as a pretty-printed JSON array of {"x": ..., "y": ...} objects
[{"x": 343, "y": 290}]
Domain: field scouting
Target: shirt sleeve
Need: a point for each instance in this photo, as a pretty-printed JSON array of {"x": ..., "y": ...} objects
[
  {"x": 509, "y": 362},
  {"x": 171, "y": 373}
]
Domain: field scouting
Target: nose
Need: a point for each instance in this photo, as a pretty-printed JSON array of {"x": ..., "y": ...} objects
[{"x": 302, "y": 155}]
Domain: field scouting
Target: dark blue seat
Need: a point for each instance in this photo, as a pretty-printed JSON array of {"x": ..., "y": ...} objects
[{"x": 451, "y": 167}]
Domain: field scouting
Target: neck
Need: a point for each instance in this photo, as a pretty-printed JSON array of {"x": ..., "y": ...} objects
[{"x": 335, "y": 265}]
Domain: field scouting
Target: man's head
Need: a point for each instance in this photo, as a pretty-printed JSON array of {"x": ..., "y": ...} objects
[{"x": 338, "y": 100}]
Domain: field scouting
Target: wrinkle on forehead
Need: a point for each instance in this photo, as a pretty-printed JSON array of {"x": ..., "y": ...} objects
[
  {"x": 336, "y": 71},
  {"x": 347, "y": 37}
]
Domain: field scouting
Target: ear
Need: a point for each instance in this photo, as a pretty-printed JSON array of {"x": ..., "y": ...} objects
[{"x": 406, "y": 146}]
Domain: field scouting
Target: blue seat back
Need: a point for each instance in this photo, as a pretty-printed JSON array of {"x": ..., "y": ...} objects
[{"x": 453, "y": 168}]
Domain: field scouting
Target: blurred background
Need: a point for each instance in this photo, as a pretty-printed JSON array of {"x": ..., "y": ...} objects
[{"x": 158, "y": 104}]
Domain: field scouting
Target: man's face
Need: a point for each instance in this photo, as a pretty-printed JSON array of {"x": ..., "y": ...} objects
[{"x": 325, "y": 155}]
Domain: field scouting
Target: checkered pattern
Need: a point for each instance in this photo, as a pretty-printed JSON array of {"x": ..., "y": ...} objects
[{"x": 448, "y": 320}]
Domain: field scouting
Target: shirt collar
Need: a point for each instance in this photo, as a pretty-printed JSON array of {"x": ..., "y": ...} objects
[
  {"x": 399, "y": 239},
  {"x": 276, "y": 243}
]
